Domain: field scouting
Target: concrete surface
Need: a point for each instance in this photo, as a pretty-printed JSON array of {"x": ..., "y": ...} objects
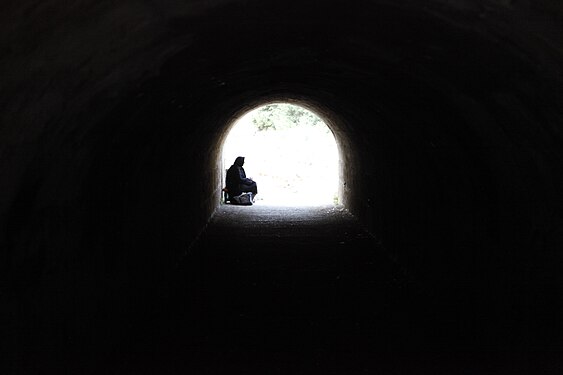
[
  {"x": 448, "y": 119},
  {"x": 306, "y": 290}
]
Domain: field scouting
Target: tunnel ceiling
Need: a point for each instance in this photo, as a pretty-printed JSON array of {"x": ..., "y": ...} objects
[{"x": 61, "y": 60}]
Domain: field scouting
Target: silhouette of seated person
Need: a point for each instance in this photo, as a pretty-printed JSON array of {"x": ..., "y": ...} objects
[{"x": 237, "y": 182}]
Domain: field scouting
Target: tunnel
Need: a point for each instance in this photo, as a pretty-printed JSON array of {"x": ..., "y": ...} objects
[{"x": 447, "y": 115}]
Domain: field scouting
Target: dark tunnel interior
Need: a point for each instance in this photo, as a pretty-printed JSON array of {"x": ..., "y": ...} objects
[{"x": 447, "y": 114}]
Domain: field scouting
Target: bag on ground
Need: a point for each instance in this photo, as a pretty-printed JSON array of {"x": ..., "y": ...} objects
[{"x": 245, "y": 199}]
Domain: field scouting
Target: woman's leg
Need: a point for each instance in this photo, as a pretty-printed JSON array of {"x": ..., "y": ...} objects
[{"x": 252, "y": 188}]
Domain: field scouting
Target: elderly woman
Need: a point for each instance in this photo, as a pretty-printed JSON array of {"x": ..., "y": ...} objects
[{"x": 237, "y": 182}]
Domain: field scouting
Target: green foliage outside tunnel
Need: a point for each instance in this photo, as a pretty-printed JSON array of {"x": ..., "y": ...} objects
[{"x": 280, "y": 116}]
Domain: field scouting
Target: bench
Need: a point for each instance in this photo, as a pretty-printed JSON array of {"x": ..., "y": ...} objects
[{"x": 226, "y": 198}]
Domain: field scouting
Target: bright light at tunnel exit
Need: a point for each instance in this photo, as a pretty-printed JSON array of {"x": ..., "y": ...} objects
[{"x": 290, "y": 153}]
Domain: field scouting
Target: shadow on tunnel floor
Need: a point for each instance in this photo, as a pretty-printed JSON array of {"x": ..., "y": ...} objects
[{"x": 302, "y": 290}]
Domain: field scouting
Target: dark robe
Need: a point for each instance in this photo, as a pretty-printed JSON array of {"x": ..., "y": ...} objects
[{"x": 237, "y": 182}]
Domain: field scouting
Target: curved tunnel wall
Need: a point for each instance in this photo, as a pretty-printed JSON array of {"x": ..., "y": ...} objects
[{"x": 447, "y": 115}]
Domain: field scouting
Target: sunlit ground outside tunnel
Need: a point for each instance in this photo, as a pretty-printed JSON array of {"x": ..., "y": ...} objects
[{"x": 289, "y": 151}]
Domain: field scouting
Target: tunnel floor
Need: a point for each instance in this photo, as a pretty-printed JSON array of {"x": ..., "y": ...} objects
[{"x": 300, "y": 290}]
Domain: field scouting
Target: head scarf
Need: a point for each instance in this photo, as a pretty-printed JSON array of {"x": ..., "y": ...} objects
[{"x": 239, "y": 161}]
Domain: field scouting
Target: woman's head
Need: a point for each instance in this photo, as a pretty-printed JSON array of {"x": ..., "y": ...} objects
[{"x": 239, "y": 161}]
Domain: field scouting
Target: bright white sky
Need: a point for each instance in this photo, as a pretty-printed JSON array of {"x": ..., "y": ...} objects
[{"x": 296, "y": 166}]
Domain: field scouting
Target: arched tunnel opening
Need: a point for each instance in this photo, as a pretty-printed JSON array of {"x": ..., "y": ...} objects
[
  {"x": 292, "y": 152},
  {"x": 448, "y": 120}
]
